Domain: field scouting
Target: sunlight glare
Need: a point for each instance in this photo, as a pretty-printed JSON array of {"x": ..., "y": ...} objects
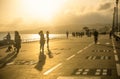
[{"x": 44, "y": 9}]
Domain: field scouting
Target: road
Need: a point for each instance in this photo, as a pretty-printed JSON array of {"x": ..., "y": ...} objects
[{"x": 73, "y": 58}]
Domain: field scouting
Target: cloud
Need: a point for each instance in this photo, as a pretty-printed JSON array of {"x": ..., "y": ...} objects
[
  {"x": 95, "y": 17},
  {"x": 88, "y": 18},
  {"x": 66, "y": 22},
  {"x": 16, "y": 24},
  {"x": 105, "y": 6},
  {"x": 74, "y": 13}
]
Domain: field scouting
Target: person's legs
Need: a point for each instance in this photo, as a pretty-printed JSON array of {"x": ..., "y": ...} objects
[
  {"x": 95, "y": 40},
  {"x": 40, "y": 47},
  {"x": 43, "y": 47},
  {"x": 48, "y": 44}
]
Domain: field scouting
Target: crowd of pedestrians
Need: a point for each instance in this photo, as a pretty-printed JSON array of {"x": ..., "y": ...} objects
[
  {"x": 17, "y": 39},
  {"x": 17, "y": 42},
  {"x": 81, "y": 34},
  {"x": 77, "y": 34}
]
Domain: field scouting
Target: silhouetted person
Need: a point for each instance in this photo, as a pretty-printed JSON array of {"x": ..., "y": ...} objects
[
  {"x": 42, "y": 41},
  {"x": 95, "y": 36},
  {"x": 73, "y": 34},
  {"x": 47, "y": 36},
  {"x": 8, "y": 39},
  {"x": 17, "y": 44},
  {"x": 110, "y": 34},
  {"x": 82, "y": 33},
  {"x": 76, "y": 34},
  {"x": 67, "y": 34}
]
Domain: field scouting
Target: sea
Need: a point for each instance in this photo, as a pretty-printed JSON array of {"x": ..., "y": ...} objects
[{"x": 33, "y": 37}]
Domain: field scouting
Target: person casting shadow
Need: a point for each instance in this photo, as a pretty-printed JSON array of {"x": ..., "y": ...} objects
[
  {"x": 17, "y": 41},
  {"x": 49, "y": 51},
  {"x": 47, "y": 36},
  {"x": 42, "y": 57},
  {"x": 42, "y": 41},
  {"x": 95, "y": 36}
]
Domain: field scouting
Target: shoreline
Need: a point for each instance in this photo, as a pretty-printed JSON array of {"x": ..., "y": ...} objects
[{"x": 28, "y": 41}]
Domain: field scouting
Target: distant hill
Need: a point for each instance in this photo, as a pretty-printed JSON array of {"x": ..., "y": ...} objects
[{"x": 64, "y": 28}]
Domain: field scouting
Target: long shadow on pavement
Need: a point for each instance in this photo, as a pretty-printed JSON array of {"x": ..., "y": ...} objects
[
  {"x": 41, "y": 62},
  {"x": 7, "y": 59},
  {"x": 50, "y": 55}
]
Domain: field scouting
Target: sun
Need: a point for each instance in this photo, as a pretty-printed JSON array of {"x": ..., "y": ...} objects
[{"x": 43, "y": 9}]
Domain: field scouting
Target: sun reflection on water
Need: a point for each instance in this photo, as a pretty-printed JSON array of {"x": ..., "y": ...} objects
[{"x": 36, "y": 37}]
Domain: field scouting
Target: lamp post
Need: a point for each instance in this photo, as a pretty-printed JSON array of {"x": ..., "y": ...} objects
[
  {"x": 115, "y": 27},
  {"x": 113, "y": 24}
]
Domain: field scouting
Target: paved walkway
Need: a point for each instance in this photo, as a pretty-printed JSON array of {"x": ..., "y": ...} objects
[{"x": 73, "y": 58}]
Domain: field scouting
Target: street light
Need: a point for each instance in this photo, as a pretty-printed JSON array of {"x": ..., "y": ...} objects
[{"x": 117, "y": 16}]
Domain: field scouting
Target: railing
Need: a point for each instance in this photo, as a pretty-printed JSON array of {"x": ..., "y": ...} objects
[{"x": 117, "y": 36}]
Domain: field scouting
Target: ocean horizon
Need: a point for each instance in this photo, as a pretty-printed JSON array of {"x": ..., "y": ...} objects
[{"x": 32, "y": 37}]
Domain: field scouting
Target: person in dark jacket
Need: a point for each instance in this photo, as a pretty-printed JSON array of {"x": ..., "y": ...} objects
[
  {"x": 17, "y": 41},
  {"x": 95, "y": 36}
]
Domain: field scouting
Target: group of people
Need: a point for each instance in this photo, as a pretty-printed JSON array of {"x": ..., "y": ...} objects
[
  {"x": 42, "y": 40},
  {"x": 80, "y": 34},
  {"x": 77, "y": 34},
  {"x": 16, "y": 42}
]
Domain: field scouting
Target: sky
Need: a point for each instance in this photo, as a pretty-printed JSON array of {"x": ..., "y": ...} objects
[{"x": 33, "y": 14}]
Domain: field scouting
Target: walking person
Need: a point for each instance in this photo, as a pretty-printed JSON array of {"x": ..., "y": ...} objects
[
  {"x": 17, "y": 44},
  {"x": 42, "y": 41},
  {"x": 95, "y": 36},
  {"x": 47, "y": 36}
]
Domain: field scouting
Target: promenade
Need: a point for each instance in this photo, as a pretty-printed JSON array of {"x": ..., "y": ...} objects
[{"x": 73, "y": 58}]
